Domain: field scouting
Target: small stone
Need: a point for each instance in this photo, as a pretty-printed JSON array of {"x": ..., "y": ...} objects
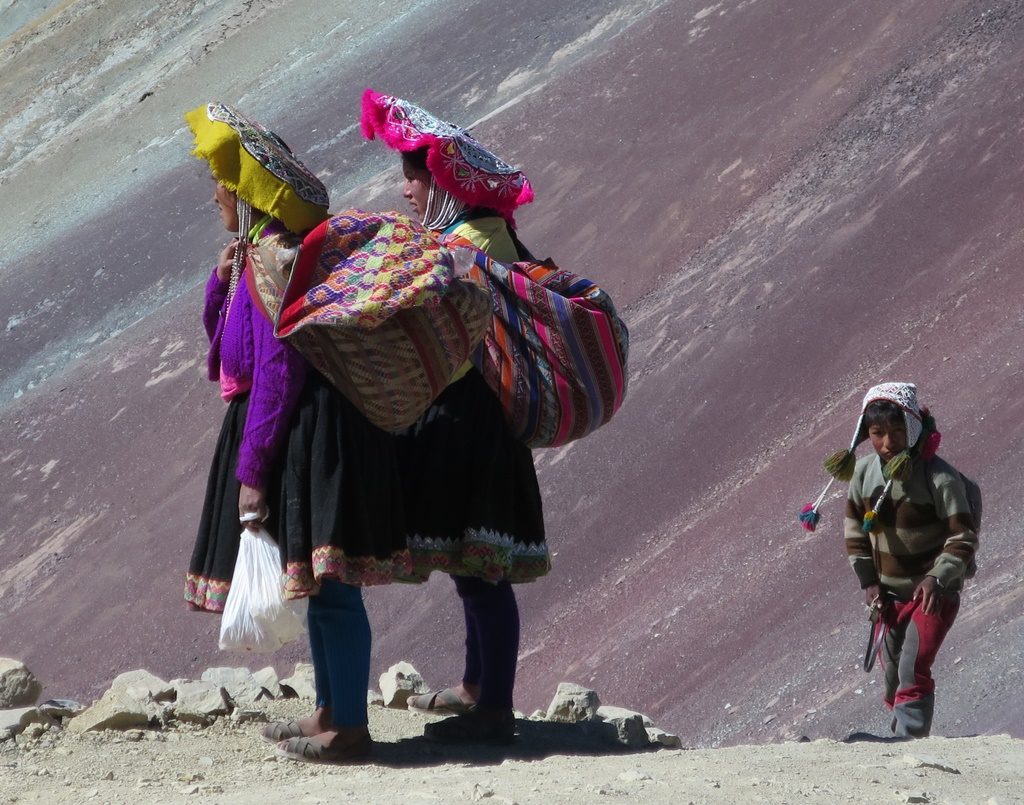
[
  {"x": 662, "y": 738},
  {"x": 929, "y": 762},
  {"x": 18, "y": 685},
  {"x": 61, "y": 708},
  {"x": 34, "y": 732},
  {"x": 768, "y": 719},
  {"x": 108, "y": 776},
  {"x": 634, "y": 776},
  {"x": 609, "y": 713},
  {"x": 142, "y": 686},
  {"x": 630, "y": 731},
  {"x": 205, "y": 760},
  {"x": 248, "y": 716},
  {"x": 200, "y": 702},
  {"x": 573, "y": 703},
  {"x": 191, "y": 789},
  {"x": 267, "y": 679},
  {"x": 400, "y": 682},
  {"x": 300, "y": 683},
  {"x": 15, "y": 722},
  {"x": 480, "y": 792},
  {"x": 113, "y": 711},
  {"x": 916, "y": 797},
  {"x": 238, "y": 682}
]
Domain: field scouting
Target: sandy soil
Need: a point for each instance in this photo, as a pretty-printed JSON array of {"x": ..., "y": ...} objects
[{"x": 550, "y": 763}]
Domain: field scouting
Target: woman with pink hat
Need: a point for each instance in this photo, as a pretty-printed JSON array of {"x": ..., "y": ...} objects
[{"x": 473, "y": 505}]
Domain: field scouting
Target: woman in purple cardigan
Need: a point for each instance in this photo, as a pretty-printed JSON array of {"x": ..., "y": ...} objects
[{"x": 292, "y": 450}]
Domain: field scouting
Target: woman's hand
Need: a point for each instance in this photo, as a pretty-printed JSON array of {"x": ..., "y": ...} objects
[
  {"x": 224, "y": 262},
  {"x": 873, "y": 596},
  {"x": 251, "y": 499}
]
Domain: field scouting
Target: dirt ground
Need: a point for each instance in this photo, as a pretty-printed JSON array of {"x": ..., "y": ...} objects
[{"x": 550, "y": 763}]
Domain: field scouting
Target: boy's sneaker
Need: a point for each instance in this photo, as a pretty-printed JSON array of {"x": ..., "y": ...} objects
[{"x": 475, "y": 726}]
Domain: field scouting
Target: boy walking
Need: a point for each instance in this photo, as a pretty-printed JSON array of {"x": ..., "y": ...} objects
[{"x": 911, "y": 540}]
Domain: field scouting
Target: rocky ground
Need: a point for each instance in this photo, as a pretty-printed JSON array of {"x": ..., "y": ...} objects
[{"x": 190, "y": 741}]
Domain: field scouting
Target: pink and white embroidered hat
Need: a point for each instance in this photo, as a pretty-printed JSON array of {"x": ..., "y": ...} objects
[{"x": 458, "y": 163}]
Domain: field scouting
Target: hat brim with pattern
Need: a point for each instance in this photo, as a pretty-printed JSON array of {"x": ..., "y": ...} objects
[
  {"x": 459, "y": 164},
  {"x": 254, "y": 163}
]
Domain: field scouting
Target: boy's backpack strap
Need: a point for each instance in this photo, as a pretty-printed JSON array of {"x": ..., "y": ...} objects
[{"x": 973, "y": 493}]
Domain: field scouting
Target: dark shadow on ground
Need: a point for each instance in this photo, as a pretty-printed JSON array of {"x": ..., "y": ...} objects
[{"x": 535, "y": 740}]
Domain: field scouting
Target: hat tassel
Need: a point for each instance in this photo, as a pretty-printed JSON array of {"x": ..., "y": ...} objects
[
  {"x": 872, "y": 514},
  {"x": 809, "y": 514}
]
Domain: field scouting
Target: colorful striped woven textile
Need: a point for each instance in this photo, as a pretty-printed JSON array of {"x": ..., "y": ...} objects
[
  {"x": 371, "y": 301},
  {"x": 555, "y": 351}
]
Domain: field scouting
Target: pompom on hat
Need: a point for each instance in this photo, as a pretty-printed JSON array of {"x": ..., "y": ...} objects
[
  {"x": 840, "y": 465},
  {"x": 256, "y": 165},
  {"x": 457, "y": 162}
]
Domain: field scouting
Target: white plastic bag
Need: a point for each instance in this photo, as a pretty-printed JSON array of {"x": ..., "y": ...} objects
[{"x": 256, "y": 615}]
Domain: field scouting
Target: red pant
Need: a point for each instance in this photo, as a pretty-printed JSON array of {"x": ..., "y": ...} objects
[{"x": 910, "y": 646}]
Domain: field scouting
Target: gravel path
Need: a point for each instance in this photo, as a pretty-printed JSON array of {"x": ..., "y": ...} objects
[{"x": 550, "y": 763}]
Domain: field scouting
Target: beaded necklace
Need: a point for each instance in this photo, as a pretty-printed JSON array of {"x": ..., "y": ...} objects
[{"x": 248, "y": 233}]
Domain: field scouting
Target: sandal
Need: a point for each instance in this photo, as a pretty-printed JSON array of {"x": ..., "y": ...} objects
[
  {"x": 310, "y": 750},
  {"x": 278, "y": 731},
  {"x": 445, "y": 701},
  {"x": 474, "y": 726}
]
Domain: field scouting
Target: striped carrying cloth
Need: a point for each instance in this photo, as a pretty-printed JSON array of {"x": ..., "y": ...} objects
[
  {"x": 371, "y": 301},
  {"x": 555, "y": 351}
]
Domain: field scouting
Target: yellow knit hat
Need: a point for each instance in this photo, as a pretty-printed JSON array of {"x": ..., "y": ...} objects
[{"x": 255, "y": 164}]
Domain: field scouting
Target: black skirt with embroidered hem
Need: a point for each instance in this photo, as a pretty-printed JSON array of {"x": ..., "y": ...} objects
[
  {"x": 473, "y": 505},
  {"x": 334, "y": 500}
]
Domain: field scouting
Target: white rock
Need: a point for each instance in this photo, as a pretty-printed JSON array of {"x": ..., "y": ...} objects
[
  {"x": 400, "y": 682},
  {"x": 14, "y": 722},
  {"x": 609, "y": 713},
  {"x": 238, "y": 682},
  {"x": 18, "y": 685},
  {"x": 301, "y": 683},
  {"x": 267, "y": 679},
  {"x": 200, "y": 702},
  {"x": 61, "y": 708},
  {"x": 142, "y": 686},
  {"x": 573, "y": 703},
  {"x": 113, "y": 711},
  {"x": 239, "y": 716},
  {"x": 662, "y": 738}
]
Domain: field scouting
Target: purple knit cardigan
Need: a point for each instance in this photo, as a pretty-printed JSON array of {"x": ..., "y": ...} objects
[{"x": 247, "y": 348}]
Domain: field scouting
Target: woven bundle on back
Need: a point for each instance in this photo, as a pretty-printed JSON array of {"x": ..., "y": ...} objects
[
  {"x": 555, "y": 351},
  {"x": 371, "y": 301}
]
